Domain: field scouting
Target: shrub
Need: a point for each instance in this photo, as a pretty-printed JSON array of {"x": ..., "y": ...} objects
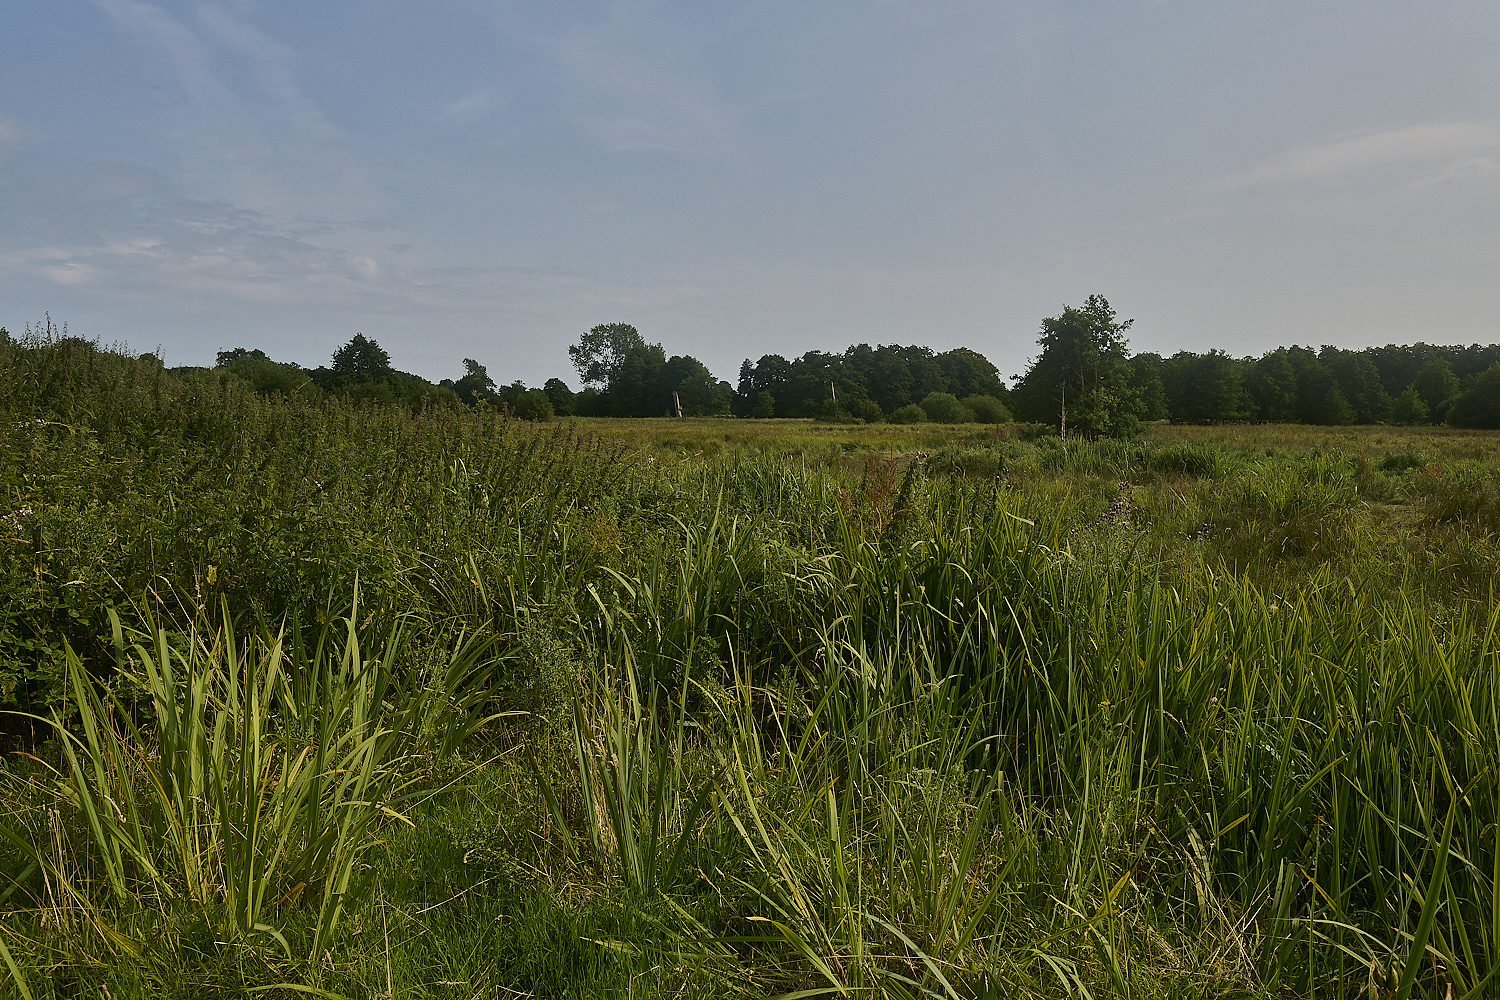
[
  {"x": 944, "y": 408},
  {"x": 911, "y": 413},
  {"x": 1409, "y": 408},
  {"x": 533, "y": 404},
  {"x": 988, "y": 410}
]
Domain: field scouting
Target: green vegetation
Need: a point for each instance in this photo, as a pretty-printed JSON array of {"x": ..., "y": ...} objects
[
  {"x": 1084, "y": 379},
  {"x": 312, "y": 690}
]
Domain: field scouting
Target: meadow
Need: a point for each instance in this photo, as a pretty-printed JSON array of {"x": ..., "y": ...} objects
[{"x": 312, "y": 697}]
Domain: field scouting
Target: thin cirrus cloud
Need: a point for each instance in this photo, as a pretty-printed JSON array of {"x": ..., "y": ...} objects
[
  {"x": 259, "y": 141},
  {"x": 638, "y": 84},
  {"x": 1411, "y": 144}
]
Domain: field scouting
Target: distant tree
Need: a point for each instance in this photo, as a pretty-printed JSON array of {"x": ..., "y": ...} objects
[
  {"x": 1272, "y": 385},
  {"x": 700, "y": 393},
  {"x": 1408, "y": 408},
  {"x": 1146, "y": 383},
  {"x": 627, "y": 370},
  {"x": 1436, "y": 383},
  {"x": 533, "y": 404},
  {"x": 476, "y": 385},
  {"x": 987, "y": 409},
  {"x": 944, "y": 408},
  {"x": 764, "y": 405},
  {"x": 1313, "y": 383},
  {"x": 560, "y": 396},
  {"x": 969, "y": 373},
  {"x": 601, "y": 354},
  {"x": 1205, "y": 388},
  {"x": 588, "y": 402},
  {"x": 867, "y": 410},
  {"x": 1479, "y": 405},
  {"x": 1334, "y": 410},
  {"x": 1083, "y": 361},
  {"x": 1355, "y": 375},
  {"x": 361, "y": 359},
  {"x": 260, "y": 372}
]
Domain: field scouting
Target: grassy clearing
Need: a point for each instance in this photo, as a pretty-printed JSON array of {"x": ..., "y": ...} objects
[{"x": 390, "y": 704}]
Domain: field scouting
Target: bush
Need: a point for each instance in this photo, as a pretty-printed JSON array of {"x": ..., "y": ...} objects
[
  {"x": 533, "y": 404},
  {"x": 1409, "y": 408},
  {"x": 911, "y": 413},
  {"x": 944, "y": 408},
  {"x": 987, "y": 410},
  {"x": 765, "y": 405}
]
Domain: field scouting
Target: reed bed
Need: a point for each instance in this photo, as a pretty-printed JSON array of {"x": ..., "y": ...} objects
[{"x": 440, "y": 704}]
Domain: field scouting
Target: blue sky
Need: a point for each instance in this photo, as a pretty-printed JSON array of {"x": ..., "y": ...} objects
[{"x": 462, "y": 178}]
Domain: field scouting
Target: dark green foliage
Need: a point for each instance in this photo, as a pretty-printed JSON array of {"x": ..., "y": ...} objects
[
  {"x": 361, "y": 359},
  {"x": 1409, "y": 408},
  {"x": 944, "y": 408},
  {"x": 560, "y": 396},
  {"x": 1436, "y": 383},
  {"x": 476, "y": 385},
  {"x": 1334, "y": 409},
  {"x": 1085, "y": 372},
  {"x": 636, "y": 379},
  {"x": 1272, "y": 383},
  {"x": 1146, "y": 381},
  {"x": 909, "y": 414},
  {"x": 1479, "y": 405},
  {"x": 987, "y": 409},
  {"x": 1206, "y": 388},
  {"x": 534, "y": 405},
  {"x": 869, "y": 382},
  {"x": 1357, "y": 379},
  {"x": 261, "y": 373}
]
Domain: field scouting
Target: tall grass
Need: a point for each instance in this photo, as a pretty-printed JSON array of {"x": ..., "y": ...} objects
[
  {"x": 260, "y": 778},
  {"x": 1172, "y": 717}
]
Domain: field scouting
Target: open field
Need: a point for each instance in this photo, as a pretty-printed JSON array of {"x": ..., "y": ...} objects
[{"x": 316, "y": 696}]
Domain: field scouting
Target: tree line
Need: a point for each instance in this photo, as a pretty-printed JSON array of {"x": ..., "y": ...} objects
[
  {"x": 1084, "y": 380},
  {"x": 1086, "y": 375}
]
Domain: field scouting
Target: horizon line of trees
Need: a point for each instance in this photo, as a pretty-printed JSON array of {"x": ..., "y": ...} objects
[{"x": 1084, "y": 369}]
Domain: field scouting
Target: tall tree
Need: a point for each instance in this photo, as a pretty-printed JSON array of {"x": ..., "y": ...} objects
[
  {"x": 1145, "y": 381},
  {"x": 1479, "y": 405},
  {"x": 476, "y": 385},
  {"x": 1272, "y": 384},
  {"x": 361, "y": 359},
  {"x": 615, "y": 358},
  {"x": 1205, "y": 388},
  {"x": 1357, "y": 378},
  {"x": 1436, "y": 384},
  {"x": 1085, "y": 362},
  {"x": 700, "y": 393}
]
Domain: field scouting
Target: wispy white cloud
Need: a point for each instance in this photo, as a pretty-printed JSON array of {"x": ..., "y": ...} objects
[
  {"x": 234, "y": 113},
  {"x": 635, "y": 77},
  {"x": 1410, "y": 144},
  {"x": 471, "y": 107},
  {"x": 1463, "y": 170}
]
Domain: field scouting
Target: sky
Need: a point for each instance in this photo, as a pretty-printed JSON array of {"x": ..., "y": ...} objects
[{"x": 486, "y": 179}]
